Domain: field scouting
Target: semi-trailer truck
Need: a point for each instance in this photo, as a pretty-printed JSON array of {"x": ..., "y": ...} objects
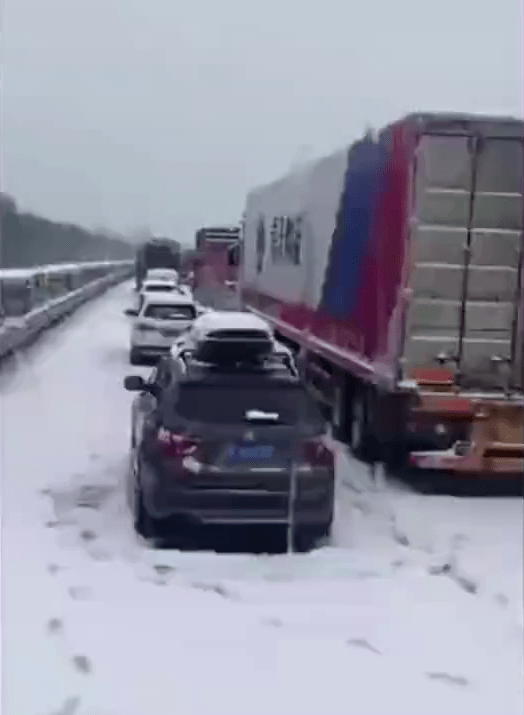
[{"x": 394, "y": 269}]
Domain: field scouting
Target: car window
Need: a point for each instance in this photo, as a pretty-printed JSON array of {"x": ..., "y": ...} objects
[
  {"x": 166, "y": 287},
  {"x": 170, "y": 312},
  {"x": 224, "y": 404},
  {"x": 162, "y": 275}
]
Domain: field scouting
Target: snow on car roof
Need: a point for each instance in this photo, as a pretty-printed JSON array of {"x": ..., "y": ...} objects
[
  {"x": 161, "y": 272},
  {"x": 230, "y": 320}
]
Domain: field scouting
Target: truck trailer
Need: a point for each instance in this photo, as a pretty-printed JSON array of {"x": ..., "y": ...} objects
[
  {"x": 156, "y": 253},
  {"x": 216, "y": 266},
  {"x": 215, "y": 251},
  {"x": 394, "y": 269}
]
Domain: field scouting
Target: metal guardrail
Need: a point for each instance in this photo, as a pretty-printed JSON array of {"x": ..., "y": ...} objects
[
  {"x": 14, "y": 273},
  {"x": 35, "y": 306},
  {"x": 24, "y": 289}
]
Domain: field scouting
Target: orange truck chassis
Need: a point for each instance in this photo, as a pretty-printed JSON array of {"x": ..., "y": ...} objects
[{"x": 495, "y": 426}]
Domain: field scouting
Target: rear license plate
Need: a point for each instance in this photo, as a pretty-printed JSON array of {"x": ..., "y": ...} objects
[{"x": 240, "y": 453}]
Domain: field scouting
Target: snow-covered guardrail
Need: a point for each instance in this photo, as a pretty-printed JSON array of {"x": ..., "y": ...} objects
[
  {"x": 20, "y": 330},
  {"x": 62, "y": 268}
]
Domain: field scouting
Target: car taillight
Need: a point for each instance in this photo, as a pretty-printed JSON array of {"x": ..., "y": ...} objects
[
  {"x": 175, "y": 445},
  {"x": 316, "y": 454},
  {"x": 142, "y": 327}
]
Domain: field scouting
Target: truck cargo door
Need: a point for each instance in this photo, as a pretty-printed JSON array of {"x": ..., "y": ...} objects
[{"x": 466, "y": 259}]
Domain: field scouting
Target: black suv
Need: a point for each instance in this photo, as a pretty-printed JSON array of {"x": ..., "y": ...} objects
[{"x": 215, "y": 444}]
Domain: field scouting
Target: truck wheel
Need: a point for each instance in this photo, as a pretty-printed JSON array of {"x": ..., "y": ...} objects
[
  {"x": 361, "y": 440},
  {"x": 395, "y": 456},
  {"x": 339, "y": 417},
  {"x": 357, "y": 426},
  {"x": 144, "y": 524}
]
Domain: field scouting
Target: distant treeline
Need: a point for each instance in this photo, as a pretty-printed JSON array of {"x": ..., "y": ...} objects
[{"x": 29, "y": 240}]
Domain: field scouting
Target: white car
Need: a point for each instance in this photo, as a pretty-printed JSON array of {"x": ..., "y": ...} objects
[
  {"x": 154, "y": 287},
  {"x": 159, "y": 286},
  {"x": 228, "y": 332},
  {"x": 163, "y": 274},
  {"x": 159, "y": 320}
]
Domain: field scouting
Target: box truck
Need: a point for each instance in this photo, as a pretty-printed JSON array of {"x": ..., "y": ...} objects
[{"x": 394, "y": 269}]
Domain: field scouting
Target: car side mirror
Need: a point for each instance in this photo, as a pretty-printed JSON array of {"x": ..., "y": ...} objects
[
  {"x": 135, "y": 383},
  {"x": 131, "y": 312}
]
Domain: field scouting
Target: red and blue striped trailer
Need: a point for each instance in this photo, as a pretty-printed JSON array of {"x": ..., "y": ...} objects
[{"x": 394, "y": 268}]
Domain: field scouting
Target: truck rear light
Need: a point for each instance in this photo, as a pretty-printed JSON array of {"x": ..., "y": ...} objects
[
  {"x": 316, "y": 454},
  {"x": 176, "y": 445}
]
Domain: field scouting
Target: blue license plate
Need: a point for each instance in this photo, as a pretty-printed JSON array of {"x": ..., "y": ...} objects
[{"x": 251, "y": 453}]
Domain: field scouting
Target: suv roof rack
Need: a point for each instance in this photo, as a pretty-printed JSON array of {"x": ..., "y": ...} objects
[
  {"x": 233, "y": 342},
  {"x": 243, "y": 360}
]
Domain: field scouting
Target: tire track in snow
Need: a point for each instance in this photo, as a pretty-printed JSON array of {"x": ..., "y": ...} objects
[
  {"x": 343, "y": 561},
  {"x": 377, "y": 497},
  {"x": 69, "y": 707},
  {"x": 67, "y": 505}
]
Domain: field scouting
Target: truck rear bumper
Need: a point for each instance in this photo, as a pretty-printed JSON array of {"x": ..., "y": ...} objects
[
  {"x": 472, "y": 464},
  {"x": 492, "y": 443}
]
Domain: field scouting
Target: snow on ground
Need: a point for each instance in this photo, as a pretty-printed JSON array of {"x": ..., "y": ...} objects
[{"x": 414, "y": 608}]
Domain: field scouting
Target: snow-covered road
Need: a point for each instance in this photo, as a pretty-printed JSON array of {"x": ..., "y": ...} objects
[{"x": 416, "y": 607}]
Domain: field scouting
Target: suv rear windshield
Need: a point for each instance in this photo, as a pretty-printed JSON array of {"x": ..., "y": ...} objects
[
  {"x": 162, "y": 288},
  {"x": 221, "y": 404},
  {"x": 170, "y": 312}
]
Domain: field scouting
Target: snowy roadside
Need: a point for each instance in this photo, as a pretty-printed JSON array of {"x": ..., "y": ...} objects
[
  {"x": 477, "y": 543},
  {"x": 95, "y": 623}
]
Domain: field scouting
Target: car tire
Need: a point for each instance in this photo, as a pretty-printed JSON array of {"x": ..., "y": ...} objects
[
  {"x": 357, "y": 427},
  {"x": 143, "y": 521},
  {"x": 134, "y": 357},
  {"x": 144, "y": 524},
  {"x": 307, "y": 538}
]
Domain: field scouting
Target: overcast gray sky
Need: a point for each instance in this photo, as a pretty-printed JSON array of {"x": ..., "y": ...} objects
[{"x": 164, "y": 113}]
